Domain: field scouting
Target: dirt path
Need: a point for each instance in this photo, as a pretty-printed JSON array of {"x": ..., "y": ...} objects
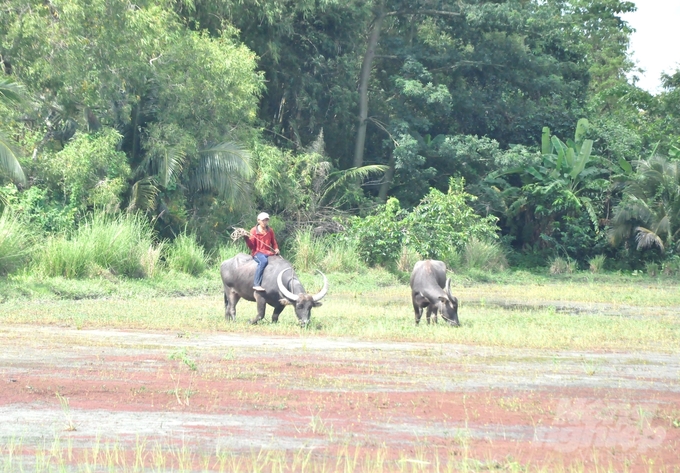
[{"x": 328, "y": 399}]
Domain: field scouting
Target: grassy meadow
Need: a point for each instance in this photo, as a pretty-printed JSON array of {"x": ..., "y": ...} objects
[
  {"x": 581, "y": 311},
  {"x": 112, "y": 272}
]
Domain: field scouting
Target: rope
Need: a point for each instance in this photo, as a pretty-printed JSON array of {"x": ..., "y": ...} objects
[{"x": 238, "y": 233}]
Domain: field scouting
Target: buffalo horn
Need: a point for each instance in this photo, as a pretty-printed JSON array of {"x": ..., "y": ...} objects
[
  {"x": 286, "y": 293},
  {"x": 448, "y": 289},
  {"x": 320, "y": 295}
]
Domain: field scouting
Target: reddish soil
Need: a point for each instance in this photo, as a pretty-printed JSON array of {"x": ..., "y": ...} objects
[{"x": 334, "y": 402}]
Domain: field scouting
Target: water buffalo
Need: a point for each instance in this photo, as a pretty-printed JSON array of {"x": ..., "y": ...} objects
[
  {"x": 431, "y": 289},
  {"x": 281, "y": 286}
]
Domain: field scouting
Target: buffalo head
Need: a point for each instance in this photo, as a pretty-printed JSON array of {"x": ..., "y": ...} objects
[
  {"x": 449, "y": 306},
  {"x": 302, "y": 303}
]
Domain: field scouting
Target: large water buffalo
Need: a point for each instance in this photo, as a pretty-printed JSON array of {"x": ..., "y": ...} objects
[
  {"x": 281, "y": 286},
  {"x": 430, "y": 288}
]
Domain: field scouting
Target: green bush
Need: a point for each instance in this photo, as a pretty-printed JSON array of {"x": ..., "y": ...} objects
[
  {"x": 186, "y": 255},
  {"x": 438, "y": 227},
  {"x": 90, "y": 170},
  {"x": 378, "y": 236},
  {"x": 445, "y": 221},
  {"x": 16, "y": 243},
  {"x": 115, "y": 244}
]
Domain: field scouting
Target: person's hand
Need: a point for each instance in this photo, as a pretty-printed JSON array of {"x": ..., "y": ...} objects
[{"x": 277, "y": 252}]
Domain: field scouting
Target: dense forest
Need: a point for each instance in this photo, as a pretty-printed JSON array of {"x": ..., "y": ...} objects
[{"x": 399, "y": 129}]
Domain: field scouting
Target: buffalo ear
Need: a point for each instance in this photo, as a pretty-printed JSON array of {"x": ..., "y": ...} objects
[
  {"x": 285, "y": 301},
  {"x": 317, "y": 304}
]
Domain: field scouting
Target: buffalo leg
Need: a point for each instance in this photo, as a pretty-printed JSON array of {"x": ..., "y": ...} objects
[
  {"x": 418, "y": 312},
  {"x": 432, "y": 310},
  {"x": 419, "y": 302},
  {"x": 261, "y": 308},
  {"x": 277, "y": 311},
  {"x": 231, "y": 298}
]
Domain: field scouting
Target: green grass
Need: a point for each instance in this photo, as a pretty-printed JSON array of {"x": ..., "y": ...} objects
[
  {"x": 374, "y": 305},
  {"x": 16, "y": 243},
  {"x": 120, "y": 245},
  {"x": 186, "y": 255}
]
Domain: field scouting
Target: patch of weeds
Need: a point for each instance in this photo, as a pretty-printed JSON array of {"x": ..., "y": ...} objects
[
  {"x": 513, "y": 404},
  {"x": 182, "y": 356},
  {"x": 589, "y": 367},
  {"x": 66, "y": 409}
]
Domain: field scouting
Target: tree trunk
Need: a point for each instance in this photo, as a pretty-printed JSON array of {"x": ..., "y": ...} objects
[
  {"x": 389, "y": 176},
  {"x": 363, "y": 88}
]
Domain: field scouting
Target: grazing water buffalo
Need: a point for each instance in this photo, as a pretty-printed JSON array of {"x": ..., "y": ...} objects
[
  {"x": 281, "y": 288},
  {"x": 431, "y": 289}
]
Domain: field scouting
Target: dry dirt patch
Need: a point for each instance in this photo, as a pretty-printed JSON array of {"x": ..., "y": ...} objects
[{"x": 385, "y": 403}]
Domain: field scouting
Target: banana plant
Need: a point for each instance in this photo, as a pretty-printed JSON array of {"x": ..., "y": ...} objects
[{"x": 563, "y": 179}]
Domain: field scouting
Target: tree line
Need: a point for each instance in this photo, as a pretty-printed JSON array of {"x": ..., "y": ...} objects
[{"x": 331, "y": 113}]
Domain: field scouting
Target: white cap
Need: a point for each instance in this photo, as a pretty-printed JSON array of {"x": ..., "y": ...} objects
[{"x": 263, "y": 216}]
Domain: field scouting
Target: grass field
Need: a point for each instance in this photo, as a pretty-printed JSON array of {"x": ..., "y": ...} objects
[
  {"x": 544, "y": 338},
  {"x": 513, "y": 309}
]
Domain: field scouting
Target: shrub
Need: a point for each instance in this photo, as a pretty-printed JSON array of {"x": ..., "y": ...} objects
[
  {"x": 671, "y": 267},
  {"x": 378, "y": 236},
  {"x": 484, "y": 255},
  {"x": 116, "y": 244},
  {"x": 596, "y": 263},
  {"x": 562, "y": 266},
  {"x": 445, "y": 221},
  {"x": 91, "y": 170},
  {"x": 16, "y": 243},
  {"x": 439, "y": 226},
  {"x": 652, "y": 269},
  {"x": 186, "y": 255}
]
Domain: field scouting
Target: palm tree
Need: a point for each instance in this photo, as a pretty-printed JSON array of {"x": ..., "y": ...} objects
[
  {"x": 223, "y": 169},
  {"x": 10, "y": 93},
  {"x": 650, "y": 208}
]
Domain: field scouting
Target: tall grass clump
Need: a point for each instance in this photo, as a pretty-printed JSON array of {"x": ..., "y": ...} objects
[
  {"x": 561, "y": 265},
  {"x": 16, "y": 243},
  {"x": 407, "y": 259},
  {"x": 307, "y": 251},
  {"x": 119, "y": 245},
  {"x": 186, "y": 255},
  {"x": 672, "y": 266},
  {"x": 225, "y": 252},
  {"x": 596, "y": 263},
  {"x": 150, "y": 260},
  {"x": 342, "y": 256},
  {"x": 652, "y": 268},
  {"x": 484, "y": 255}
]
